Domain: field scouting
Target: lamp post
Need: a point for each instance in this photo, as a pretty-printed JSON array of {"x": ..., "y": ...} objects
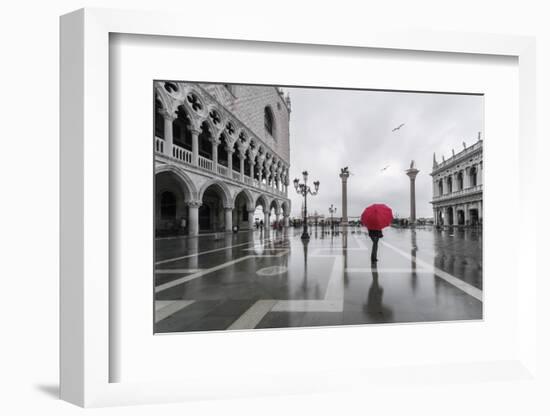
[
  {"x": 303, "y": 189},
  {"x": 332, "y": 210}
]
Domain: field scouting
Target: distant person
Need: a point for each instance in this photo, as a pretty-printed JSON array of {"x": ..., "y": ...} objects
[
  {"x": 183, "y": 224},
  {"x": 261, "y": 224},
  {"x": 375, "y": 235}
]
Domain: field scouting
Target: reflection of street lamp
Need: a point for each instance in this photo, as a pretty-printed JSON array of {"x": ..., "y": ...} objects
[
  {"x": 303, "y": 189},
  {"x": 332, "y": 210}
]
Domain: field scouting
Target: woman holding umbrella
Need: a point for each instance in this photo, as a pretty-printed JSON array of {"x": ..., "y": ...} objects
[{"x": 376, "y": 217}]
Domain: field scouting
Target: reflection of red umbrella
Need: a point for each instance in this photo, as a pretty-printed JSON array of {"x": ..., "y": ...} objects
[{"x": 376, "y": 216}]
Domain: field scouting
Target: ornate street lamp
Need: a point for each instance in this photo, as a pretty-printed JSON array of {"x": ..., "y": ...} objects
[
  {"x": 332, "y": 210},
  {"x": 303, "y": 189}
]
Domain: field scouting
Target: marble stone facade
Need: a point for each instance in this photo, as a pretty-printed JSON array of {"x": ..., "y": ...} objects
[
  {"x": 221, "y": 150},
  {"x": 458, "y": 188}
]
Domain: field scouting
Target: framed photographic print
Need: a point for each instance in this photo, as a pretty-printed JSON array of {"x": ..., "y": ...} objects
[
  {"x": 235, "y": 248},
  {"x": 281, "y": 213}
]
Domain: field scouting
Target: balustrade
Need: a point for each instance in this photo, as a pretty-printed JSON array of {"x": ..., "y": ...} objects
[
  {"x": 462, "y": 192},
  {"x": 185, "y": 156},
  {"x": 222, "y": 170},
  {"x": 205, "y": 163},
  {"x": 181, "y": 154},
  {"x": 159, "y": 145}
]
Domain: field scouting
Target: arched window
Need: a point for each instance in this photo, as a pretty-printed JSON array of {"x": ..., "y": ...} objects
[
  {"x": 205, "y": 142},
  {"x": 168, "y": 206},
  {"x": 268, "y": 121},
  {"x": 180, "y": 129},
  {"x": 473, "y": 176}
]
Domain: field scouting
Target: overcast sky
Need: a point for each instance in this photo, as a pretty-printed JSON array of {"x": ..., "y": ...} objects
[{"x": 330, "y": 129}]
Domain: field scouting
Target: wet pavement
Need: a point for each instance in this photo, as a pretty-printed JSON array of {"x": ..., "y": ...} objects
[{"x": 275, "y": 280}]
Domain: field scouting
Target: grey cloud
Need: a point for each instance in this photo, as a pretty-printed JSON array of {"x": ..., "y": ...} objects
[{"x": 331, "y": 129}]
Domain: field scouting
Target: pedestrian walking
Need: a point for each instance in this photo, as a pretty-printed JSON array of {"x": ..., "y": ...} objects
[
  {"x": 375, "y": 235},
  {"x": 376, "y": 217}
]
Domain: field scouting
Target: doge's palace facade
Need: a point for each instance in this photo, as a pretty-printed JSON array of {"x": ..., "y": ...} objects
[
  {"x": 221, "y": 150},
  {"x": 458, "y": 187}
]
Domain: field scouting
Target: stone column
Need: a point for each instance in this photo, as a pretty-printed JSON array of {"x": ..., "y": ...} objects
[
  {"x": 411, "y": 173},
  {"x": 479, "y": 173},
  {"x": 277, "y": 216},
  {"x": 228, "y": 218},
  {"x": 446, "y": 217},
  {"x": 344, "y": 175},
  {"x": 193, "y": 247},
  {"x": 251, "y": 218},
  {"x": 195, "y": 147},
  {"x": 480, "y": 212},
  {"x": 260, "y": 173},
  {"x": 241, "y": 165},
  {"x": 168, "y": 134},
  {"x": 194, "y": 217},
  {"x": 266, "y": 220},
  {"x": 454, "y": 179},
  {"x": 453, "y": 209},
  {"x": 286, "y": 220},
  {"x": 252, "y": 163},
  {"x": 215, "y": 144},
  {"x": 230, "y": 151}
]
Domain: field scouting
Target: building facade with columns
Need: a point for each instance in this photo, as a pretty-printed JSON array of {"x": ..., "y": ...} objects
[
  {"x": 221, "y": 150},
  {"x": 458, "y": 187}
]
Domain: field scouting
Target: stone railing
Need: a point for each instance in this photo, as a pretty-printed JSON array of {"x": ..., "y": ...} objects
[
  {"x": 222, "y": 170},
  {"x": 181, "y": 154},
  {"x": 186, "y": 157},
  {"x": 206, "y": 163},
  {"x": 463, "y": 154},
  {"x": 462, "y": 192},
  {"x": 159, "y": 145}
]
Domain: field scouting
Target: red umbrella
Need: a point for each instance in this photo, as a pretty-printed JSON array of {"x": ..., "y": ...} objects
[{"x": 377, "y": 216}]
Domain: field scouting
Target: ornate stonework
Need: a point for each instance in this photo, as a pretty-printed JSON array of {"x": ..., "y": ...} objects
[
  {"x": 458, "y": 187},
  {"x": 245, "y": 166}
]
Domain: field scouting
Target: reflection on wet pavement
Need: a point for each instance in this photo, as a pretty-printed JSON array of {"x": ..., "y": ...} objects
[{"x": 276, "y": 280}]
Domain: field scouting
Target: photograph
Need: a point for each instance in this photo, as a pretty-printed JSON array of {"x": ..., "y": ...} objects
[{"x": 281, "y": 206}]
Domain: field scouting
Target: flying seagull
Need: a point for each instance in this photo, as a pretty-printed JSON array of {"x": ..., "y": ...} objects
[
  {"x": 383, "y": 169},
  {"x": 398, "y": 127}
]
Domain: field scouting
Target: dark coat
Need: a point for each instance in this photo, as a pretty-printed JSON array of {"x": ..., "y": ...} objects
[{"x": 375, "y": 234}]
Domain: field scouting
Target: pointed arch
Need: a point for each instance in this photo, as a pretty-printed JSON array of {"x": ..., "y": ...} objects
[
  {"x": 262, "y": 201},
  {"x": 189, "y": 188},
  {"x": 249, "y": 198},
  {"x": 223, "y": 189}
]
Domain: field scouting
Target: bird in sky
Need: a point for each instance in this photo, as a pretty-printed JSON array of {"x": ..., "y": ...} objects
[
  {"x": 384, "y": 168},
  {"x": 398, "y": 127}
]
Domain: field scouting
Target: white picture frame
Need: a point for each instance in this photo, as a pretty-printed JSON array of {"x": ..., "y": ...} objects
[{"x": 85, "y": 211}]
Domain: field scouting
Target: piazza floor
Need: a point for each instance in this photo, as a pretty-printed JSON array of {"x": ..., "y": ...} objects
[{"x": 275, "y": 280}]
